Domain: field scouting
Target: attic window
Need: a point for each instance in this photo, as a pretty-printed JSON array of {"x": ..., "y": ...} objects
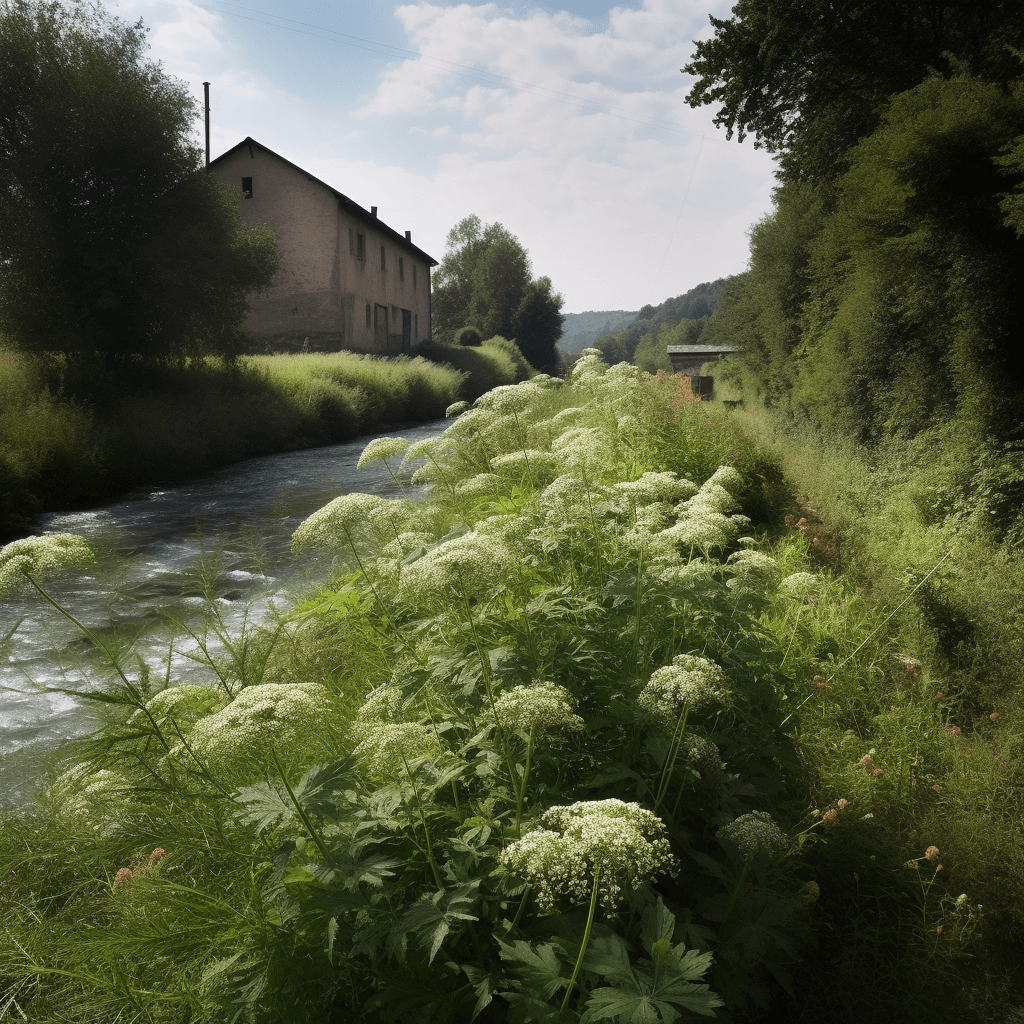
[
  {"x": 360, "y": 247},
  {"x": 383, "y": 265},
  {"x": 401, "y": 269},
  {"x": 247, "y": 187}
]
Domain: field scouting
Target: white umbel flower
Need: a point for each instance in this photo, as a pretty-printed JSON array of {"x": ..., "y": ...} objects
[
  {"x": 474, "y": 563},
  {"x": 802, "y": 585},
  {"x": 39, "y": 557},
  {"x": 691, "y": 681},
  {"x": 623, "y": 843},
  {"x": 380, "y": 449},
  {"x": 542, "y": 705},
  {"x": 389, "y": 748},
  {"x": 754, "y": 833},
  {"x": 331, "y": 525}
]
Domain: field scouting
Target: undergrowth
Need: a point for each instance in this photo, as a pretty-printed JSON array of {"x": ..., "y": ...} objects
[{"x": 589, "y": 734}]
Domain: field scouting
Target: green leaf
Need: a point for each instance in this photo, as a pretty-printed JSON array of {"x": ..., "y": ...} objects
[
  {"x": 538, "y": 966},
  {"x": 626, "y": 1007}
]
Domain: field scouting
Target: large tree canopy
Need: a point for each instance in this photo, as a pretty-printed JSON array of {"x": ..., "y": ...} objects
[
  {"x": 808, "y": 78},
  {"x": 484, "y": 280},
  {"x": 113, "y": 240}
]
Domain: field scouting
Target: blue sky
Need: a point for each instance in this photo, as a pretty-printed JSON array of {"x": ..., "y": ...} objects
[{"x": 566, "y": 122}]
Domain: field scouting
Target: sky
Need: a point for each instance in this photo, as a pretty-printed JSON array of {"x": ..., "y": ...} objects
[{"x": 566, "y": 122}]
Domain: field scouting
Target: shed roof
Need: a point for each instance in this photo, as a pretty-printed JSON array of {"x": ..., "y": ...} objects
[
  {"x": 349, "y": 205},
  {"x": 699, "y": 350}
]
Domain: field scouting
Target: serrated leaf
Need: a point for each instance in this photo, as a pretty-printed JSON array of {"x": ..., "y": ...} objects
[
  {"x": 539, "y": 966},
  {"x": 608, "y": 955},
  {"x": 627, "y": 1007},
  {"x": 658, "y": 924}
]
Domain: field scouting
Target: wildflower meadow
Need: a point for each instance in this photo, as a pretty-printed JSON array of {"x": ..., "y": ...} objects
[{"x": 587, "y": 733}]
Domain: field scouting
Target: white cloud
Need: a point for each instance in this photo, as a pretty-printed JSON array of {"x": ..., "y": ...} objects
[{"x": 575, "y": 136}]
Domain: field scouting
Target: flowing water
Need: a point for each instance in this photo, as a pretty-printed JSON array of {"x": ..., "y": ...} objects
[{"x": 162, "y": 553}]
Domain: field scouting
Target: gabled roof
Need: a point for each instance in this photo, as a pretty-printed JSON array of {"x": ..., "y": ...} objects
[{"x": 349, "y": 205}]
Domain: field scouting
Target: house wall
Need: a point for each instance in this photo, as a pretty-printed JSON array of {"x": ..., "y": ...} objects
[{"x": 323, "y": 291}]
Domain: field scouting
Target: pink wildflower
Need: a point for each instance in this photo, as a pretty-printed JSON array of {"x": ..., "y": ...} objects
[
  {"x": 994, "y": 717},
  {"x": 157, "y": 855},
  {"x": 831, "y": 816},
  {"x": 953, "y": 730},
  {"x": 866, "y": 761},
  {"x": 937, "y": 788},
  {"x": 843, "y": 804},
  {"x": 123, "y": 875},
  {"x": 931, "y": 853},
  {"x": 877, "y": 772}
]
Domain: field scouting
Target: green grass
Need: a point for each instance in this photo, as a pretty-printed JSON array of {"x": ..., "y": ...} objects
[
  {"x": 73, "y": 434},
  {"x": 349, "y": 851}
]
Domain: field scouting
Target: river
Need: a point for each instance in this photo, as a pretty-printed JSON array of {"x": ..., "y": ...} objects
[{"x": 161, "y": 553}]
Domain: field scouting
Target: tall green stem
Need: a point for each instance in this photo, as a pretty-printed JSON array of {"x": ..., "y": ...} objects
[
  {"x": 522, "y": 786},
  {"x": 586, "y": 940},
  {"x": 670, "y": 759}
]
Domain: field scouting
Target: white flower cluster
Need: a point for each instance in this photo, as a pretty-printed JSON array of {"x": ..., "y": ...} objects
[
  {"x": 540, "y": 467},
  {"x": 691, "y": 681},
  {"x": 568, "y": 499},
  {"x": 625, "y": 844},
  {"x": 389, "y": 748},
  {"x": 702, "y": 754},
  {"x": 380, "y": 449},
  {"x": 405, "y": 543},
  {"x": 384, "y": 704},
  {"x": 543, "y": 705},
  {"x": 510, "y": 398},
  {"x": 704, "y": 520},
  {"x": 482, "y": 483},
  {"x": 40, "y": 556},
  {"x": 802, "y": 585},
  {"x": 269, "y": 715},
  {"x": 588, "y": 367},
  {"x": 474, "y": 563},
  {"x": 89, "y": 795},
  {"x": 328, "y": 526},
  {"x": 186, "y": 704},
  {"x": 588, "y": 449},
  {"x": 754, "y": 832},
  {"x": 652, "y": 487},
  {"x": 754, "y": 572},
  {"x": 455, "y": 409}
]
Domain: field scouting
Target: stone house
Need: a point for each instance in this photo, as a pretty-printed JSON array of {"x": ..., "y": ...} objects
[{"x": 346, "y": 280}]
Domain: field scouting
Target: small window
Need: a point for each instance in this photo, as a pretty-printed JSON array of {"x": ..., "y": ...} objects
[
  {"x": 383, "y": 266},
  {"x": 369, "y": 312},
  {"x": 247, "y": 187},
  {"x": 401, "y": 269},
  {"x": 360, "y": 247},
  {"x": 414, "y": 277}
]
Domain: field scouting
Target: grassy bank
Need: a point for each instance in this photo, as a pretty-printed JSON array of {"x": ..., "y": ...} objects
[
  {"x": 73, "y": 434},
  {"x": 592, "y": 733}
]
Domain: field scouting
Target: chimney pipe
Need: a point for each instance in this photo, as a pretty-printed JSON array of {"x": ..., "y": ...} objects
[
  {"x": 373, "y": 211},
  {"x": 206, "y": 95},
  {"x": 408, "y": 236}
]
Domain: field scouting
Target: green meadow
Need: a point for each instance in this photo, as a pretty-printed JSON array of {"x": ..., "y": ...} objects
[
  {"x": 647, "y": 712},
  {"x": 73, "y": 433}
]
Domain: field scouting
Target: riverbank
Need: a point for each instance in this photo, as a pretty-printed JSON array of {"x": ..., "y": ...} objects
[
  {"x": 596, "y": 662},
  {"x": 74, "y": 435}
]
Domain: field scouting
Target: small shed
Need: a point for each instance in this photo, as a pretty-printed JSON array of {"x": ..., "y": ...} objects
[{"x": 688, "y": 359}]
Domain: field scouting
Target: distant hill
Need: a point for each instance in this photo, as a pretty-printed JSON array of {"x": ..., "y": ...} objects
[
  {"x": 581, "y": 330},
  {"x": 696, "y": 304}
]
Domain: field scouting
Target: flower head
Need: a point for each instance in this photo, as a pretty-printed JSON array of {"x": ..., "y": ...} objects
[
  {"x": 754, "y": 832},
  {"x": 123, "y": 875},
  {"x": 473, "y": 563},
  {"x": 691, "y": 681},
  {"x": 623, "y": 844},
  {"x": 380, "y": 449},
  {"x": 333, "y": 524},
  {"x": 455, "y": 409},
  {"x": 540, "y": 706},
  {"x": 384, "y": 704},
  {"x": 931, "y": 853},
  {"x": 801, "y": 585},
  {"x": 39, "y": 557},
  {"x": 390, "y": 747}
]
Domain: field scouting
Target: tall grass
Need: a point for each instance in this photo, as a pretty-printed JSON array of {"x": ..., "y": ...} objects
[
  {"x": 591, "y": 733},
  {"x": 73, "y": 434}
]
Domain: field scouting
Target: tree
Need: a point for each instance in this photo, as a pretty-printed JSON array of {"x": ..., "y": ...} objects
[
  {"x": 485, "y": 279},
  {"x": 113, "y": 239},
  {"x": 809, "y": 78}
]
